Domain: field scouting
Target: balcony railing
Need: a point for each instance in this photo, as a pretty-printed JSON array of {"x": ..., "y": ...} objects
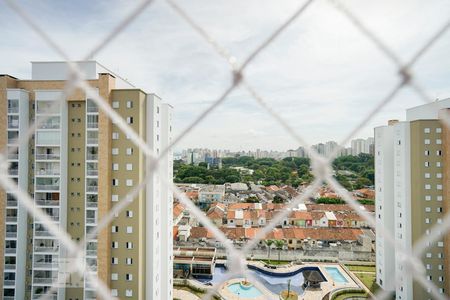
[
  {"x": 92, "y": 172},
  {"x": 47, "y": 202},
  {"x": 10, "y": 266},
  {"x": 9, "y": 283},
  {"x": 50, "y": 126},
  {"x": 13, "y": 110},
  {"x": 47, "y": 156},
  {"x": 13, "y": 172},
  {"x": 91, "y": 220},
  {"x": 11, "y": 234},
  {"x": 91, "y": 253},
  {"x": 46, "y": 265},
  {"x": 92, "y": 189},
  {"x": 49, "y": 297},
  {"x": 39, "y": 280},
  {"x": 10, "y": 250},
  {"x": 90, "y": 156},
  {"x": 92, "y": 125},
  {"x": 11, "y": 219},
  {"x": 13, "y": 155},
  {"x": 92, "y": 141},
  {"x": 43, "y": 233},
  {"x": 92, "y": 204},
  {"x": 47, "y": 187},
  {"x": 92, "y": 108},
  {"x": 13, "y": 125},
  {"x": 12, "y": 203},
  {"x": 48, "y": 172},
  {"x": 39, "y": 249}
]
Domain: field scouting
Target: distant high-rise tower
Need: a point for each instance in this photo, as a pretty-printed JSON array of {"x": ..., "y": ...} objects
[
  {"x": 412, "y": 182},
  {"x": 77, "y": 165}
]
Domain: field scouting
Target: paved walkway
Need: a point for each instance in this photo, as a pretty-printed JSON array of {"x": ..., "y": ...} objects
[{"x": 184, "y": 295}]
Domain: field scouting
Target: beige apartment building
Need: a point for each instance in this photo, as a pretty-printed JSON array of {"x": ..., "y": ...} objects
[
  {"x": 412, "y": 184},
  {"x": 76, "y": 166}
]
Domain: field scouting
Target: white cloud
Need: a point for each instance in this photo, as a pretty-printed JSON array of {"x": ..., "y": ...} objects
[{"x": 321, "y": 74}]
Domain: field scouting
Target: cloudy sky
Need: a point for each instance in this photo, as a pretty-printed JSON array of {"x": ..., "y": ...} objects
[{"x": 322, "y": 75}]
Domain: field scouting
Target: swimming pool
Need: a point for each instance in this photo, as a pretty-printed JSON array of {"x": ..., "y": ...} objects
[
  {"x": 336, "y": 275},
  {"x": 250, "y": 292},
  {"x": 276, "y": 284}
]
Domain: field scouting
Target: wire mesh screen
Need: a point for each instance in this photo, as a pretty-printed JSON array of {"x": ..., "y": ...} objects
[{"x": 321, "y": 166}]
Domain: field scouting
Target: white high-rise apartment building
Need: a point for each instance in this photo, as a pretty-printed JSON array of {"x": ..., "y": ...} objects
[
  {"x": 412, "y": 178},
  {"x": 76, "y": 167}
]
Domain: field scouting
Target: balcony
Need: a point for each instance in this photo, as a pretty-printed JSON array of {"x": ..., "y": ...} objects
[
  {"x": 92, "y": 108},
  {"x": 39, "y": 296},
  {"x": 13, "y": 125},
  {"x": 47, "y": 156},
  {"x": 13, "y": 155},
  {"x": 92, "y": 204},
  {"x": 9, "y": 298},
  {"x": 44, "y": 233},
  {"x": 91, "y": 253},
  {"x": 47, "y": 202},
  {"x": 50, "y": 125},
  {"x": 47, "y": 187}
]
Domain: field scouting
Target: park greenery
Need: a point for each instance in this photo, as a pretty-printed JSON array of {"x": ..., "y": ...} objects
[{"x": 353, "y": 172}]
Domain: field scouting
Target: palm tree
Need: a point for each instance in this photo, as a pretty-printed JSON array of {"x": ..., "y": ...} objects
[
  {"x": 279, "y": 244},
  {"x": 269, "y": 244}
]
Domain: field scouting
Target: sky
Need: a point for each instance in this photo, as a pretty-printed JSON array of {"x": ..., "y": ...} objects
[{"x": 321, "y": 75}]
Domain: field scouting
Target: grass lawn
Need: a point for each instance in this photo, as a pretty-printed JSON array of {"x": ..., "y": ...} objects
[
  {"x": 361, "y": 268},
  {"x": 350, "y": 295},
  {"x": 275, "y": 262}
]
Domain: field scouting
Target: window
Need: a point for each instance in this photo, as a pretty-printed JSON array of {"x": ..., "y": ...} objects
[
  {"x": 115, "y": 151},
  {"x": 114, "y": 228},
  {"x": 114, "y": 198},
  {"x": 438, "y": 175},
  {"x": 438, "y": 130},
  {"x": 114, "y": 293},
  {"x": 129, "y": 182},
  {"x": 439, "y": 152},
  {"x": 114, "y": 276},
  {"x": 129, "y": 104},
  {"x": 115, "y": 245},
  {"x": 440, "y": 244},
  {"x": 439, "y": 141},
  {"x": 427, "y": 198},
  {"x": 429, "y": 255},
  {"x": 439, "y": 187},
  {"x": 439, "y": 221},
  {"x": 426, "y": 130},
  {"x": 129, "y": 261},
  {"x": 427, "y": 186},
  {"x": 129, "y": 213},
  {"x": 130, "y": 120},
  {"x": 115, "y": 135},
  {"x": 428, "y": 267},
  {"x": 427, "y": 153},
  {"x": 427, "y": 175},
  {"x": 427, "y": 164},
  {"x": 128, "y": 293},
  {"x": 129, "y": 229},
  {"x": 115, "y": 104},
  {"x": 427, "y": 141},
  {"x": 129, "y": 151},
  {"x": 129, "y": 277},
  {"x": 427, "y": 221},
  {"x": 427, "y": 209},
  {"x": 439, "y": 198},
  {"x": 114, "y": 260},
  {"x": 441, "y": 278},
  {"x": 115, "y": 167},
  {"x": 438, "y": 164},
  {"x": 115, "y": 182},
  {"x": 129, "y": 245},
  {"x": 129, "y": 167},
  {"x": 157, "y": 109},
  {"x": 440, "y": 267}
]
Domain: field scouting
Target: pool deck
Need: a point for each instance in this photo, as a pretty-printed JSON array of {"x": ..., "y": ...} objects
[{"x": 309, "y": 294}]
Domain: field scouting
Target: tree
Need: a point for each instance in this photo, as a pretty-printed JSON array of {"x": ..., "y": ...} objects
[
  {"x": 277, "y": 199},
  {"x": 279, "y": 244},
  {"x": 252, "y": 199},
  {"x": 269, "y": 244}
]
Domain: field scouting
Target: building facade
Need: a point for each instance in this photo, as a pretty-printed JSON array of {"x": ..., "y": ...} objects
[
  {"x": 411, "y": 182},
  {"x": 76, "y": 167}
]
